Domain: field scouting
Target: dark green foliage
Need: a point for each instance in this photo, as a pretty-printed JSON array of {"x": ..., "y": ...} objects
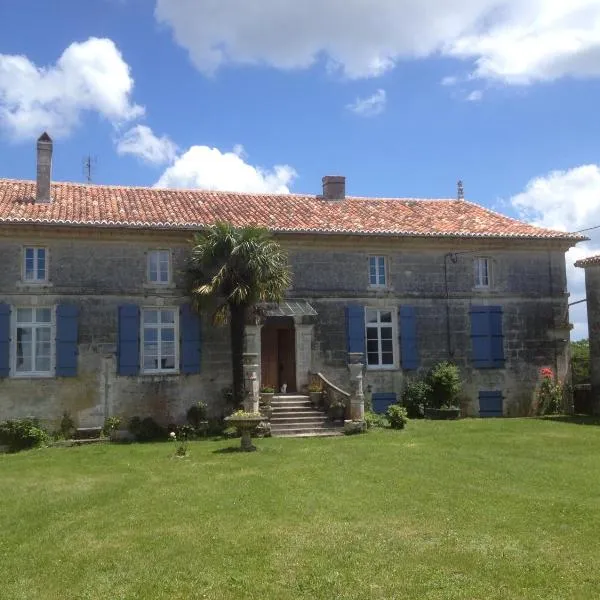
[
  {"x": 445, "y": 384},
  {"x": 215, "y": 427},
  {"x": 374, "y": 420},
  {"x": 22, "y": 434},
  {"x": 397, "y": 417},
  {"x": 415, "y": 398},
  {"x": 196, "y": 414},
  {"x": 67, "y": 426},
  {"x": 111, "y": 424},
  {"x": 146, "y": 430},
  {"x": 580, "y": 361}
]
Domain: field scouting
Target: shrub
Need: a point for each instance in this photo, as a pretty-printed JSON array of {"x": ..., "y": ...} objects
[
  {"x": 263, "y": 430},
  {"x": 111, "y": 424},
  {"x": 22, "y": 434},
  {"x": 267, "y": 389},
  {"x": 196, "y": 414},
  {"x": 415, "y": 398},
  {"x": 550, "y": 394},
  {"x": 314, "y": 388},
  {"x": 146, "y": 430},
  {"x": 397, "y": 416},
  {"x": 67, "y": 426},
  {"x": 444, "y": 381},
  {"x": 354, "y": 427},
  {"x": 374, "y": 420},
  {"x": 215, "y": 427}
]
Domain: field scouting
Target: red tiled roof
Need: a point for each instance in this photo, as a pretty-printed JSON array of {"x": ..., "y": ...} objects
[
  {"x": 589, "y": 261},
  {"x": 112, "y": 206}
]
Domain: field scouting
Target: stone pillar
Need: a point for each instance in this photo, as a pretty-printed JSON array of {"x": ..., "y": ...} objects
[
  {"x": 252, "y": 383},
  {"x": 592, "y": 284},
  {"x": 357, "y": 395},
  {"x": 252, "y": 344},
  {"x": 304, "y": 337}
]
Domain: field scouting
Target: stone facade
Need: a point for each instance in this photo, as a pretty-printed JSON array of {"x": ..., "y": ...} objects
[{"x": 102, "y": 269}]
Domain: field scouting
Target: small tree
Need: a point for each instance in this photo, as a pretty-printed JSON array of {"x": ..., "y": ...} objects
[
  {"x": 580, "y": 361},
  {"x": 445, "y": 384},
  {"x": 232, "y": 270}
]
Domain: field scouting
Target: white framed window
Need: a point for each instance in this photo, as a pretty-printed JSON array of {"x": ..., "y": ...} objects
[
  {"x": 159, "y": 267},
  {"x": 35, "y": 264},
  {"x": 160, "y": 335},
  {"x": 380, "y": 336},
  {"x": 482, "y": 272},
  {"x": 33, "y": 333},
  {"x": 377, "y": 271}
]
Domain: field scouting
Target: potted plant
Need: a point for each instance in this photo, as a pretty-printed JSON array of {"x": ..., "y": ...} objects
[
  {"x": 444, "y": 383},
  {"x": 315, "y": 391},
  {"x": 337, "y": 409},
  {"x": 266, "y": 395}
]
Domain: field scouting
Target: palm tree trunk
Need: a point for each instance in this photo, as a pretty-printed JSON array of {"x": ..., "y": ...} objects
[{"x": 237, "y": 330}]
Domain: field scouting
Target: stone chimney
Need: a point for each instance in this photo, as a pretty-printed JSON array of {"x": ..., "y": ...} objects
[
  {"x": 44, "y": 169},
  {"x": 334, "y": 187}
]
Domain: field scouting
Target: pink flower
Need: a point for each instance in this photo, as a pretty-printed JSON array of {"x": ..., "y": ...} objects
[{"x": 547, "y": 373}]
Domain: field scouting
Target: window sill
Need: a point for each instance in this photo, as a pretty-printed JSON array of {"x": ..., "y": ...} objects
[
  {"x": 159, "y": 286},
  {"x": 382, "y": 368},
  {"x": 158, "y": 375},
  {"x": 32, "y": 376},
  {"x": 36, "y": 285},
  {"x": 379, "y": 288}
]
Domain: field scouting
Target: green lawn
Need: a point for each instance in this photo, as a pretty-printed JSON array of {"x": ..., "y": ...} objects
[{"x": 471, "y": 509}]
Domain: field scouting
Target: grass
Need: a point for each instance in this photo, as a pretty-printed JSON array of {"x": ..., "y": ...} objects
[{"x": 471, "y": 509}]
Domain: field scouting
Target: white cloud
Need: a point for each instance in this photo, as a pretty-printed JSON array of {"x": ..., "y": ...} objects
[
  {"x": 475, "y": 96},
  {"x": 140, "y": 141},
  {"x": 369, "y": 107},
  {"x": 568, "y": 201},
  {"x": 210, "y": 169},
  {"x": 449, "y": 80},
  {"x": 89, "y": 76},
  {"x": 513, "y": 41}
]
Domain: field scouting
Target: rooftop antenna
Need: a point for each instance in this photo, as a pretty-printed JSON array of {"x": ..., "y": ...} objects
[
  {"x": 460, "y": 190},
  {"x": 89, "y": 164}
]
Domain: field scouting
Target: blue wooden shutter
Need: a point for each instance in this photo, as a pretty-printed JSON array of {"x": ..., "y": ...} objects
[
  {"x": 408, "y": 337},
  {"x": 4, "y": 340},
  {"x": 490, "y": 404},
  {"x": 191, "y": 340},
  {"x": 67, "y": 317},
  {"x": 496, "y": 337},
  {"x": 128, "y": 348},
  {"x": 381, "y": 400},
  {"x": 355, "y": 328}
]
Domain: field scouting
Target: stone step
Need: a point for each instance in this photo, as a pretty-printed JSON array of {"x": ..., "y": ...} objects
[
  {"x": 303, "y": 434},
  {"x": 299, "y": 420},
  {"x": 291, "y": 397},
  {"x": 301, "y": 412},
  {"x": 87, "y": 433},
  {"x": 291, "y": 405},
  {"x": 305, "y": 426}
]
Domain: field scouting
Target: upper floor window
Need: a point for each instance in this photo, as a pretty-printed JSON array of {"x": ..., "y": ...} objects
[
  {"x": 482, "y": 272},
  {"x": 159, "y": 335},
  {"x": 380, "y": 338},
  {"x": 159, "y": 267},
  {"x": 32, "y": 341},
  {"x": 377, "y": 271},
  {"x": 35, "y": 264}
]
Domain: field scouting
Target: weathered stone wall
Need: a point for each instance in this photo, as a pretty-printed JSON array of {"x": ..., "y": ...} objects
[
  {"x": 101, "y": 270},
  {"x": 592, "y": 284}
]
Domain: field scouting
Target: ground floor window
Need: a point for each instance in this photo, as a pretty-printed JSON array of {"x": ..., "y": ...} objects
[
  {"x": 33, "y": 341},
  {"x": 380, "y": 338},
  {"x": 159, "y": 335}
]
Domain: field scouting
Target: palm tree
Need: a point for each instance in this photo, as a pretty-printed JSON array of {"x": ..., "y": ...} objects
[{"x": 232, "y": 272}]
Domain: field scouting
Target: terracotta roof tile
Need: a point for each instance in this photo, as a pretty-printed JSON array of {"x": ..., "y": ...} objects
[
  {"x": 589, "y": 261},
  {"x": 112, "y": 206}
]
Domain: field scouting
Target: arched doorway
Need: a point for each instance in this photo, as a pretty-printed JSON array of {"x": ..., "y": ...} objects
[{"x": 278, "y": 353}]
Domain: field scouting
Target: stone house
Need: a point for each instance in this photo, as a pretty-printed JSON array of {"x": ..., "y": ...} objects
[{"x": 94, "y": 317}]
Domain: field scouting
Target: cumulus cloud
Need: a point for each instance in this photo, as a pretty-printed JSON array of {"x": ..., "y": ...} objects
[
  {"x": 475, "y": 96},
  {"x": 568, "y": 201},
  {"x": 89, "y": 76},
  {"x": 371, "y": 106},
  {"x": 210, "y": 169},
  {"x": 513, "y": 41},
  {"x": 141, "y": 141}
]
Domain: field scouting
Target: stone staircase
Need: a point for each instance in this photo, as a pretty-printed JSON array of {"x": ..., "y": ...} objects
[{"x": 294, "y": 416}]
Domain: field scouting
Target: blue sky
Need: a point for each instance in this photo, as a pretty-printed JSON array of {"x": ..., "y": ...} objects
[{"x": 274, "y": 94}]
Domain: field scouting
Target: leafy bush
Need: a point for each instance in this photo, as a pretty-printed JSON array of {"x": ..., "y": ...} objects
[
  {"x": 22, "y": 434},
  {"x": 354, "y": 427},
  {"x": 267, "y": 389},
  {"x": 313, "y": 388},
  {"x": 415, "y": 398},
  {"x": 215, "y": 427},
  {"x": 196, "y": 414},
  {"x": 111, "y": 424},
  {"x": 67, "y": 426},
  {"x": 374, "y": 420},
  {"x": 146, "y": 430},
  {"x": 397, "y": 416},
  {"x": 445, "y": 384}
]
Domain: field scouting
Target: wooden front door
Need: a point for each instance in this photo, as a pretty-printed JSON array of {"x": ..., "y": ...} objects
[{"x": 278, "y": 354}]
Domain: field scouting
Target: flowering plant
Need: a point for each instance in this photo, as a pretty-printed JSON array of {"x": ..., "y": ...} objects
[
  {"x": 181, "y": 450},
  {"x": 550, "y": 393},
  {"x": 547, "y": 373}
]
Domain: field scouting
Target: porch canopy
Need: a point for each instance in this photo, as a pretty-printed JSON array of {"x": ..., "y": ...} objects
[{"x": 290, "y": 308}]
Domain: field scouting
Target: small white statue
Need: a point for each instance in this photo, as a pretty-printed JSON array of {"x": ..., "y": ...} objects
[{"x": 284, "y": 388}]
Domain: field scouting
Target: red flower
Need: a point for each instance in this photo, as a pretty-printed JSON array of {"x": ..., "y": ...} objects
[{"x": 547, "y": 373}]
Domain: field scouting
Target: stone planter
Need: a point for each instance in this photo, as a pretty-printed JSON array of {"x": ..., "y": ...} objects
[
  {"x": 266, "y": 398},
  {"x": 442, "y": 414},
  {"x": 337, "y": 412},
  {"x": 246, "y": 426},
  {"x": 316, "y": 399}
]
